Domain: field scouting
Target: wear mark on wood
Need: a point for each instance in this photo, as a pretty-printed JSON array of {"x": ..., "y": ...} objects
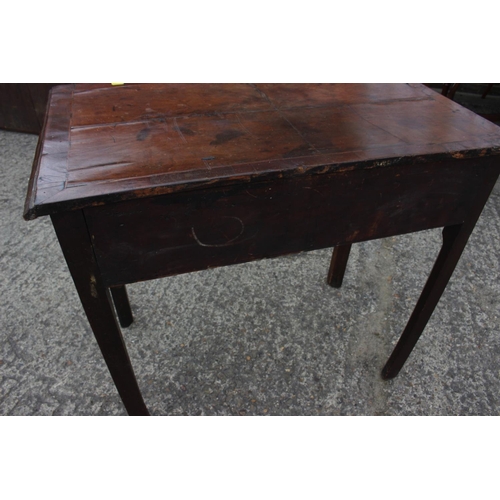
[
  {"x": 226, "y": 243},
  {"x": 178, "y": 130},
  {"x": 250, "y": 194},
  {"x": 93, "y": 288},
  {"x": 143, "y": 134},
  {"x": 186, "y": 131},
  {"x": 226, "y": 136}
]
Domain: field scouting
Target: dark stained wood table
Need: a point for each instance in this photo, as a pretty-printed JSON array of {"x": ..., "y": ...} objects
[{"x": 146, "y": 181}]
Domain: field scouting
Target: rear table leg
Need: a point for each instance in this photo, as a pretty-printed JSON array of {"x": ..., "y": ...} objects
[{"x": 338, "y": 265}]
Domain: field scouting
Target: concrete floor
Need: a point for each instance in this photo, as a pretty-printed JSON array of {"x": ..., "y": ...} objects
[{"x": 265, "y": 338}]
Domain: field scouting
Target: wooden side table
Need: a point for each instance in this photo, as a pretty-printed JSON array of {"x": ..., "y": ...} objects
[{"x": 148, "y": 181}]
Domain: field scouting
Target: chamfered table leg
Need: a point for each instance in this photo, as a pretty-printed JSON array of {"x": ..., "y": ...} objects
[
  {"x": 454, "y": 241},
  {"x": 122, "y": 305},
  {"x": 74, "y": 238},
  {"x": 338, "y": 265}
]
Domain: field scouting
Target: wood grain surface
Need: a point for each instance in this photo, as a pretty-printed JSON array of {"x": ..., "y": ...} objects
[{"x": 103, "y": 143}]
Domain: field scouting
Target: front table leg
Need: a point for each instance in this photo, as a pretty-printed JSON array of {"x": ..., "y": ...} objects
[
  {"x": 74, "y": 238},
  {"x": 454, "y": 241},
  {"x": 122, "y": 305}
]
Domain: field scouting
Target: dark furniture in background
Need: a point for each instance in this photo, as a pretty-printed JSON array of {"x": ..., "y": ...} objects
[
  {"x": 22, "y": 106},
  {"x": 149, "y": 181},
  {"x": 450, "y": 89}
]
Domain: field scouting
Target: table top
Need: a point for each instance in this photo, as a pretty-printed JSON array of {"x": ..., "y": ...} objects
[{"x": 103, "y": 143}]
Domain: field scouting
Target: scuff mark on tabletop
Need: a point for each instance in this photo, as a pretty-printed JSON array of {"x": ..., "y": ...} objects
[
  {"x": 226, "y": 136},
  {"x": 143, "y": 134},
  {"x": 179, "y": 131}
]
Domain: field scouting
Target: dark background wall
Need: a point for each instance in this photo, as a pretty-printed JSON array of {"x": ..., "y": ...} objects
[{"x": 22, "y": 106}]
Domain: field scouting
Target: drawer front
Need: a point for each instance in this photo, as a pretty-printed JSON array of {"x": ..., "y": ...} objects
[{"x": 177, "y": 233}]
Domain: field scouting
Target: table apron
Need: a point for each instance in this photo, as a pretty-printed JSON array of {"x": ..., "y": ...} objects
[{"x": 176, "y": 233}]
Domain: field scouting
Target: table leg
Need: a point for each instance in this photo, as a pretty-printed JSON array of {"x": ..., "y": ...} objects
[
  {"x": 74, "y": 238},
  {"x": 338, "y": 265},
  {"x": 487, "y": 90},
  {"x": 454, "y": 241},
  {"x": 122, "y": 305}
]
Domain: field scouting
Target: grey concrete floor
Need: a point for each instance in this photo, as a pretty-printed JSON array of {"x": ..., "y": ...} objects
[{"x": 265, "y": 338}]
